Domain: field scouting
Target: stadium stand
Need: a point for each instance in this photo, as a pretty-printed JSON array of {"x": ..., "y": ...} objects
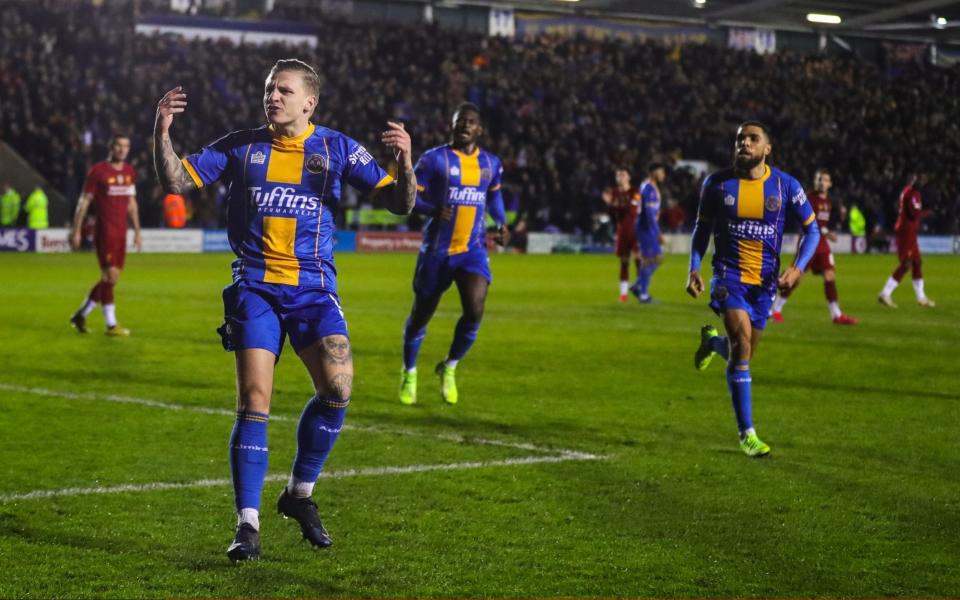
[{"x": 560, "y": 111}]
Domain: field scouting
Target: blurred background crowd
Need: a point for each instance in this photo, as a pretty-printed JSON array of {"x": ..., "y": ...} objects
[{"x": 562, "y": 112}]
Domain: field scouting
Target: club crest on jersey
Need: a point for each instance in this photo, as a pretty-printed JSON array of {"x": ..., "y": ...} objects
[
  {"x": 316, "y": 163},
  {"x": 454, "y": 171},
  {"x": 258, "y": 158},
  {"x": 772, "y": 203},
  {"x": 729, "y": 200},
  {"x": 486, "y": 174}
]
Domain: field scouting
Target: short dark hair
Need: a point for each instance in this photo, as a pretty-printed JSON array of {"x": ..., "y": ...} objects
[
  {"x": 759, "y": 124},
  {"x": 115, "y": 137},
  {"x": 310, "y": 78},
  {"x": 822, "y": 171},
  {"x": 656, "y": 165},
  {"x": 471, "y": 107}
]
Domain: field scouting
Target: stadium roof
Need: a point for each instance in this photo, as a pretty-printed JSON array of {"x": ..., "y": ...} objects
[{"x": 895, "y": 19}]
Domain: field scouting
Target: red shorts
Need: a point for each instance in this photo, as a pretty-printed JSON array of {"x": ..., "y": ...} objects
[
  {"x": 907, "y": 249},
  {"x": 111, "y": 252},
  {"x": 821, "y": 262},
  {"x": 626, "y": 243}
]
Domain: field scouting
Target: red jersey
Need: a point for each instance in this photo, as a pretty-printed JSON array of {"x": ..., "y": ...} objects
[
  {"x": 909, "y": 214},
  {"x": 624, "y": 207},
  {"x": 111, "y": 189},
  {"x": 821, "y": 208}
]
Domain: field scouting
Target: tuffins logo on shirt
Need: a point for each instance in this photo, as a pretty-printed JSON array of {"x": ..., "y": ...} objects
[
  {"x": 316, "y": 163},
  {"x": 751, "y": 230},
  {"x": 360, "y": 155},
  {"x": 466, "y": 195},
  {"x": 258, "y": 158},
  {"x": 772, "y": 203},
  {"x": 729, "y": 200},
  {"x": 282, "y": 200}
]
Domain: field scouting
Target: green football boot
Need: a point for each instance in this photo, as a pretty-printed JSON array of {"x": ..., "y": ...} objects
[
  {"x": 408, "y": 387},
  {"x": 753, "y": 446},
  {"x": 705, "y": 353},
  {"x": 448, "y": 382}
]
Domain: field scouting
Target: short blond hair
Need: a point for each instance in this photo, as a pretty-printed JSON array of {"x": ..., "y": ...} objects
[{"x": 310, "y": 78}]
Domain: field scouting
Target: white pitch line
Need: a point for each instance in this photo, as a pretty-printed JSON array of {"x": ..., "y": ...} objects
[
  {"x": 450, "y": 437},
  {"x": 372, "y": 471}
]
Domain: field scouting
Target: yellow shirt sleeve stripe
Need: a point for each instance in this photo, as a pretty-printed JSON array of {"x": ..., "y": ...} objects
[
  {"x": 387, "y": 180},
  {"x": 193, "y": 173},
  {"x": 810, "y": 219}
]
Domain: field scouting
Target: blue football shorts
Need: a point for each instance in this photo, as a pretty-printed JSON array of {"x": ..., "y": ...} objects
[
  {"x": 262, "y": 315},
  {"x": 649, "y": 245},
  {"x": 434, "y": 273},
  {"x": 756, "y": 300}
]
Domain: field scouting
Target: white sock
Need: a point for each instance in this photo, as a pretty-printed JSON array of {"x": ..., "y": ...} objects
[
  {"x": 451, "y": 363},
  {"x": 87, "y": 308},
  {"x": 250, "y": 516},
  {"x": 299, "y": 488},
  {"x": 835, "y": 310},
  {"x": 889, "y": 287},
  {"x": 779, "y": 303},
  {"x": 918, "y": 289},
  {"x": 110, "y": 314},
  {"x": 624, "y": 287},
  {"x": 747, "y": 432},
  {"x": 413, "y": 370}
]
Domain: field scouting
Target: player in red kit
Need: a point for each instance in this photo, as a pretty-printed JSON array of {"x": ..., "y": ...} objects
[
  {"x": 110, "y": 187},
  {"x": 822, "y": 261},
  {"x": 623, "y": 201},
  {"x": 909, "y": 215}
]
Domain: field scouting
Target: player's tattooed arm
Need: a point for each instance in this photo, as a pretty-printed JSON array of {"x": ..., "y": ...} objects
[
  {"x": 170, "y": 171},
  {"x": 403, "y": 195}
]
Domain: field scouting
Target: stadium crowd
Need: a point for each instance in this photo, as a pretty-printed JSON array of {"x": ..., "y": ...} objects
[{"x": 561, "y": 112}]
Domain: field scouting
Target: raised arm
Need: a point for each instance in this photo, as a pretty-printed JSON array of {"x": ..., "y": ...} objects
[
  {"x": 174, "y": 178},
  {"x": 403, "y": 195}
]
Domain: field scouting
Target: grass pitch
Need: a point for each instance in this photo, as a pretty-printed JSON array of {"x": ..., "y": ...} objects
[{"x": 617, "y": 471}]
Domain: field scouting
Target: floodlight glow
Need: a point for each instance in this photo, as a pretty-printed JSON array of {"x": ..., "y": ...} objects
[
  {"x": 941, "y": 21},
  {"x": 820, "y": 18}
]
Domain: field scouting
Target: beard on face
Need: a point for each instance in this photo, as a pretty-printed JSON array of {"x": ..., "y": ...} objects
[{"x": 745, "y": 163}]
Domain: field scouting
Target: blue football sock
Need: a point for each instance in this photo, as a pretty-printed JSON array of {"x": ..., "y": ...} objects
[
  {"x": 319, "y": 428},
  {"x": 646, "y": 274},
  {"x": 719, "y": 344},
  {"x": 739, "y": 382},
  {"x": 248, "y": 458},
  {"x": 463, "y": 337},
  {"x": 412, "y": 340}
]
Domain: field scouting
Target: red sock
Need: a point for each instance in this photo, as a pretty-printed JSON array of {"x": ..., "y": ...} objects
[
  {"x": 624, "y": 270},
  {"x": 901, "y": 271},
  {"x": 917, "y": 271},
  {"x": 106, "y": 292},
  {"x": 95, "y": 294},
  {"x": 830, "y": 290}
]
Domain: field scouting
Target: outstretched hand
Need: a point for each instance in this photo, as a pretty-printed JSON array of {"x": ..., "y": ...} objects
[
  {"x": 172, "y": 103},
  {"x": 398, "y": 140}
]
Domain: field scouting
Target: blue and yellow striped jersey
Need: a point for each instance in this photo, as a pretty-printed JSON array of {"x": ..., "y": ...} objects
[
  {"x": 648, "y": 222},
  {"x": 747, "y": 218},
  {"x": 283, "y": 197},
  {"x": 470, "y": 184}
]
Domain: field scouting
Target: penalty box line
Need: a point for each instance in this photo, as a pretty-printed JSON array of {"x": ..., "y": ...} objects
[
  {"x": 449, "y": 437},
  {"x": 553, "y": 455},
  {"x": 341, "y": 474}
]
